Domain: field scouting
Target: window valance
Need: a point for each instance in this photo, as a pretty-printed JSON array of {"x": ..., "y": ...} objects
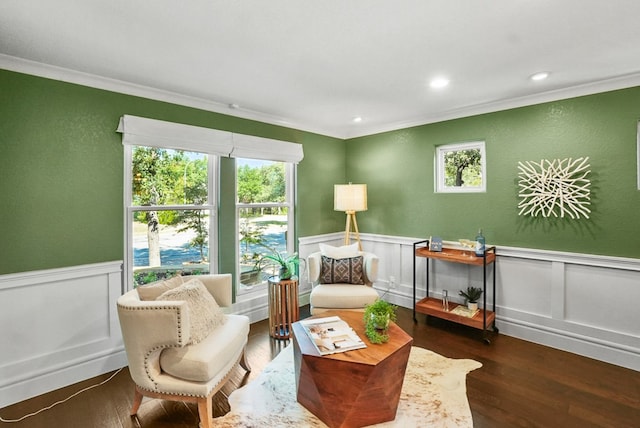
[
  {"x": 248, "y": 146},
  {"x": 141, "y": 131}
]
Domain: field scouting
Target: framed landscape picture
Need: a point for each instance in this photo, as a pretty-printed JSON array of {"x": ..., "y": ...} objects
[{"x": 461, "y": 168}]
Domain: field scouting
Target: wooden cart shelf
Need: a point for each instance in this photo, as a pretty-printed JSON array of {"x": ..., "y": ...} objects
[
  {"x": 432, "y": 306},
  {"x": 456, "y": 256}
]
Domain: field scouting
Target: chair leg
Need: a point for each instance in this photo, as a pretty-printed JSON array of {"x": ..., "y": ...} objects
[
  {"x": 243, "y": 361},
  {"x": 205, "y": 411},
  {"x": 137, "y": 400}
]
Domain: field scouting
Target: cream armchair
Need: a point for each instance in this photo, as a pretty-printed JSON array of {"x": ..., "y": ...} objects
[
  {"x": 163, "y": 361},
  {"x": 342, "y": 296}
]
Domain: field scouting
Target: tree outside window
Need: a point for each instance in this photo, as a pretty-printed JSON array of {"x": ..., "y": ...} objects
[
  {"x": 263, "y": 214},
  {"x": 170, "y": 214},
  {"x": 461, "y": 168}
]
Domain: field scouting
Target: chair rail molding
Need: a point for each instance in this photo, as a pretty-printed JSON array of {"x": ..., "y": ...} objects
[
  {"x": 60, "y": 326},
  {"x": 580, "y": 303}
]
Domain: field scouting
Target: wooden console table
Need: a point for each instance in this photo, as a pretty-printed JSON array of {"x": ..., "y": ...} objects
[
  {"x": 284, "y": 309},
  {"x": 434, "y": 307}
]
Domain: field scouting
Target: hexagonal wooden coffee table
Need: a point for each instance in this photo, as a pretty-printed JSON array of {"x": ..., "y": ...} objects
[{"x": 354, "y": 388}]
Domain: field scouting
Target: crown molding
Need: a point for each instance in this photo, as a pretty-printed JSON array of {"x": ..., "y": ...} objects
[
  {"x": 616, "y": 83},
  {"x": 39, "y": 69},
  {"x": 21, "y": 65}
]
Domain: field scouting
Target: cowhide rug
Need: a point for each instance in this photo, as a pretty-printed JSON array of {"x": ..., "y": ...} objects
[{"x": 433, "y": 395}]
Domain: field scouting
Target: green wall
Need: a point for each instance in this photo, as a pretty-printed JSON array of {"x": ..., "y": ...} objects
[
  {"x": 398, "y": 168},
  {"x": 61, "y": 172}
]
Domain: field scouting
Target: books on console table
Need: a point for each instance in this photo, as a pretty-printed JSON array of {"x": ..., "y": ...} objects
[{"x": 331, "y": 335}]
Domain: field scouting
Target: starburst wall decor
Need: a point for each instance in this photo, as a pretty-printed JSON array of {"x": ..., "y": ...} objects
[{"x": 555, "y": 187}]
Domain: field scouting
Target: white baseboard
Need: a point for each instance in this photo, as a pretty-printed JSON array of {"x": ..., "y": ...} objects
[
  {"x": 607, "y": 351},
  {"x": 60, "y": 326}
]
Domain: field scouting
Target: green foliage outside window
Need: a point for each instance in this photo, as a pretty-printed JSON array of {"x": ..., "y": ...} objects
[
  {"x": 170, "y": 177},
  {"x": 263, "y": 187},
  {"x": 261, "y": 184},
  {"x": 463, "y": 167}
]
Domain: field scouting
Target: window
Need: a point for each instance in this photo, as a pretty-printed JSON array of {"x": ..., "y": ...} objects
[
  {"x": 264, "y": 215},
  {"x": 170, "y": 180},
  {"x": 171, "y": 175},
  {"x": 169, "y": 214},
  {"x": 460, "y": 168}
]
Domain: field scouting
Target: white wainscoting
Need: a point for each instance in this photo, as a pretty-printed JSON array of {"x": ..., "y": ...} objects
[
  {"x": 579, "y": 303},
  {"x": 59, "y": 326}
]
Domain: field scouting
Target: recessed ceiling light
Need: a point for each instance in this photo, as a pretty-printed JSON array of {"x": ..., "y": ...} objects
[
  {"x": 540, "y": 76},
  {"x": 357, "y": 119},
  {"x": 439, "y": 82}
]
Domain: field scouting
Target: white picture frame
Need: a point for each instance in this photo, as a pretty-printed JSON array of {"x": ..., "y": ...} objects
[{"x": 452, "y": 176}]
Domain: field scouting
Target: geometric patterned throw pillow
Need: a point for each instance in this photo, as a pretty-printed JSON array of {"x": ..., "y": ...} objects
[{"x": 342, "y": 271}]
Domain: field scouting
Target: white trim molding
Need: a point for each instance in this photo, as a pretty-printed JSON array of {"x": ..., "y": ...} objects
[
  {"x": 21, "y": 65},
  {"x": 580, "y": 303},
  {"x": 60, "y": 326},
  {"x": 34, "y": 68}
]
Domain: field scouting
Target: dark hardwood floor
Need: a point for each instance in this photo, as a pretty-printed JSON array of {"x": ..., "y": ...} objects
[{"x": 521, "y": 384}]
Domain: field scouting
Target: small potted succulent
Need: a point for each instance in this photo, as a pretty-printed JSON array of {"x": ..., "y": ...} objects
[
  {"x": 377, "y": 316},
  {"x": 471, "y": 296}
]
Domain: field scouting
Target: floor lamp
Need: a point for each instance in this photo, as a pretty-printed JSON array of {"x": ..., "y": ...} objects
[{"x": 350, "y": 198}]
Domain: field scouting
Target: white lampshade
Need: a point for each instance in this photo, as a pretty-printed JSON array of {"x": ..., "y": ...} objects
[{"x": 350, "y": 197}]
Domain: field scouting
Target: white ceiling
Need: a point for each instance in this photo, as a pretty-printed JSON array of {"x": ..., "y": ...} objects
[{"x": 315, "y": 65}]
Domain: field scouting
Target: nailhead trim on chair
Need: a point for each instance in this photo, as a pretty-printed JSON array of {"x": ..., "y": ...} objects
[
  {"x": 151, "y": 351},
  {"x": 149, "y": 308},
  {"x": 146, "y": 357},
  {"x": 194, "y": 395}
]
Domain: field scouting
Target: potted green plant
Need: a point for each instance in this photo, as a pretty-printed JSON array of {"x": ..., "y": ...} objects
[
  {"x": 377, "y": 316},
  {"x": 471, "y": 296},
  {"x": 284, "y": 264}
]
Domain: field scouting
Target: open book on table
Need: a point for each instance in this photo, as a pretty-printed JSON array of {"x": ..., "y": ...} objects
[{"x": 331, "y": 335}]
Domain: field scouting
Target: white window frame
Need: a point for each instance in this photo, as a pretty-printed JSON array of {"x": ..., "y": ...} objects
[
  {"x": 440, "y": 171},
  {"x": 247, "y": 292},
  {"x": 140, "y": 131},
  {"x": 212, "y": 196}
]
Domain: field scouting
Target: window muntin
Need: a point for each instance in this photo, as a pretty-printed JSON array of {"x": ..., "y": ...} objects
[
  {"x": 264, "y": 216},
  {"x": 169, "y": 213}
]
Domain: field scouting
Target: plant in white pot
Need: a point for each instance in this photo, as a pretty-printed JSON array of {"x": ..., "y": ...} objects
[{"x": 471, "y": 296}]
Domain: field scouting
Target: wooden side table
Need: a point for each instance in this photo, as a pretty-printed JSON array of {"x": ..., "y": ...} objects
[
  {"x": 356, "y": 388},
  {"x": 284, "y": 309}
]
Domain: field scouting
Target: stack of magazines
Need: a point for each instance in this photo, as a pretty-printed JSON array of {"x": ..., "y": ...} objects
[{"x": 331, "y": 335}]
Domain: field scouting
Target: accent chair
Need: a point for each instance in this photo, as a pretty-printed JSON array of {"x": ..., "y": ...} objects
[
  {"x": 179, "y": 343},
  {"x": 342, "y": 278}
]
